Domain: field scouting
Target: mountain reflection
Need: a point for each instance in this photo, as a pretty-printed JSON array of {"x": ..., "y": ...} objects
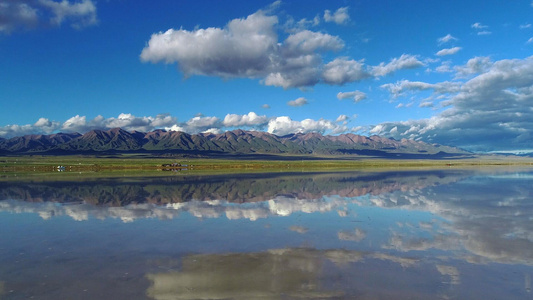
[
  {"x": 236, "y": 197},
  {"x": 230, "y": 188}
]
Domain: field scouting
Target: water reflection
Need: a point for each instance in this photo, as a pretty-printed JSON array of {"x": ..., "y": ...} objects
[
  {"x": 281, "y": 274},
  {"x": 209, "y": 196},
  {"x": 446, "y": 234}
]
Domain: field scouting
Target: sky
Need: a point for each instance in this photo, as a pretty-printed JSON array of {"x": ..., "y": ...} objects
[{"x": 456, "y": 73}]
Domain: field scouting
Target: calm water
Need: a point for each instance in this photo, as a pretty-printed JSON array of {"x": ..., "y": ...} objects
[{"x": 451, "y": 234}]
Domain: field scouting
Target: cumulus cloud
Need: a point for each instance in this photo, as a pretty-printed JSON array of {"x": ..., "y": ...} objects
[
  {"x": 285, "y": 125},
  {"x": 343, "y": 70},
  {"x": 42, "y": 126},
  {"x": 27, "y": 14},
  {"x": 492, "y": 106},
  {"x": 476, "y": 65},
  {"x": 449, "y": 51},
  {"x": 210, "y": 124},
  {"x": 127, "y": 122},
  {"x": 340, "y": 16},
  {"x": 307, "y": 42},
  {"x": 250, "y": 47},
  {"x": 298, "y": 102},
  {"x": 265, "y": 106},
  {"x": 401, "y": 87},
  {"x": 242, "y": 48},
  {"x": 201, "y": 124},
  {"x": 405, "y": 61},
  {"x": 445, "y": 39},
  {"x": 80, "y": 124},
  {"x": 249, "y": 120},
  {"x": 355, "y": 95}
]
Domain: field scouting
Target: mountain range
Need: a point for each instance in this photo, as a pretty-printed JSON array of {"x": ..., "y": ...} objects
[{"x": 230, "y": 142}]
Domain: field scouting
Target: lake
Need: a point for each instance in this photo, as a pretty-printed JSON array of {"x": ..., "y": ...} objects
[{"x": 394, "y": 234}]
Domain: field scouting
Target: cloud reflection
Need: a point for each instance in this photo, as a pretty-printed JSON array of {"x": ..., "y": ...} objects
[
  {"x": 281, "y": 274},
  {"x": 485, "y": 219}
]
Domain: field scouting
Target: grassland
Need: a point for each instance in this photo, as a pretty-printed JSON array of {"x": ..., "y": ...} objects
[{"x": 137, "y": 162}]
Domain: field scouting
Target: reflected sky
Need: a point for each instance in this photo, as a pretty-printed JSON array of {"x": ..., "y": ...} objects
[{"x": 442, "y": 234}]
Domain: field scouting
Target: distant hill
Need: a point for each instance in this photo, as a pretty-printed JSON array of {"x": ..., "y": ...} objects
[{"x": 231, "y": 142}]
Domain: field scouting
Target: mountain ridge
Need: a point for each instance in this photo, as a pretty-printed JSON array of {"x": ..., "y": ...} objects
[{"x": 230, "y": 142}]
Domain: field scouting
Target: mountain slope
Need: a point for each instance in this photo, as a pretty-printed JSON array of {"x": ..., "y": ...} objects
[
  {"x": 98, "y": 140},
  {"x": 231, "y": 142},
  {"x": 32, "y": 143}
]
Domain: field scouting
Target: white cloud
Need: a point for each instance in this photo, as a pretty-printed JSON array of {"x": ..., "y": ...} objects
[
  {"x": 76, "y": 124},
  {"x": 201, "y": 123},
  {"x": 247, "y": 47},
  {"x": 340, "y": 16},
  {"x": 342, "y": 118},
  {"x": 445, "y": 67},
  {"x": 307, "y": 42},
  {"x": 127, "y": 122},
  {"x": 250, "y": 48},
  {"x": 46, "y": 126},
  {"x": 285, "y": 125},
  {"x": 303, "y": 23},
  {"x": 492, "y": 106},
  {"x": 355, "y": 95},
  {"x": 476, "y": 65},
  {"x": 298, "y": 102},
  {"x": 213, "y": 131},
  {"x": 525, "y": 26},
  {"x": 249, "y": 120},
  {"x": 478, "y": 25},
  {"x": 265, "y": 106},
  {"x": 81, "y": 14},
  {"x": 343, "y": 70},
  {"x": 426, "y": 104},
  {"x": 401, "y": 87},
  {"x": 197, "y": 124},
  {"x": 17, "y": 14},
  {"x": 27, "y": 14},
  {"x": 530, "y": 41},
  {"x": 17, "y": 130},
  {"x": 445, "y": 39},
  {"x": 242, "y": 48},
  {"x": 449, "y": 51},
  {"x": 405, "y": 61},
  {"x": 481, "y": 29}
]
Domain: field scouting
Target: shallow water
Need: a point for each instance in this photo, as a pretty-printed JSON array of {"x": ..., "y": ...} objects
[{"x": 442, "y": 234}]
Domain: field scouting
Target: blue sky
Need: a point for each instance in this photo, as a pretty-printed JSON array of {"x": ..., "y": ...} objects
[{"x": 458, "y": 73}]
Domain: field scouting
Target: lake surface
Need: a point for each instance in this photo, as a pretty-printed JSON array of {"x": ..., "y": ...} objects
[{"x": 421, "y": 234}]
